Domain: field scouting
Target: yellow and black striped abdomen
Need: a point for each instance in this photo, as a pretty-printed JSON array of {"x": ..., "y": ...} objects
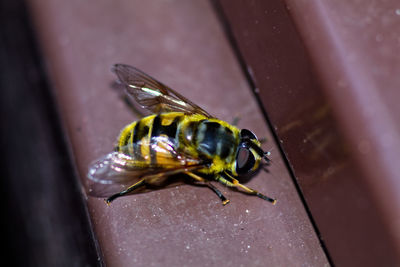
[
  {"x": 194, "y": 135},
  {"x": 137, "y": 137}
]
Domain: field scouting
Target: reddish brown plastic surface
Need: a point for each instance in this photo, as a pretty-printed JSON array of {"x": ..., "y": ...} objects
[
  {"x": 328, "y": 76},
  {"x": 182, "y": 44}
]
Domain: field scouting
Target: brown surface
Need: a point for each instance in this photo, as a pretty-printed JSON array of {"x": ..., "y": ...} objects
[
  {"x": 182, "y": 44},
  {"x": 328, "y": 75}
]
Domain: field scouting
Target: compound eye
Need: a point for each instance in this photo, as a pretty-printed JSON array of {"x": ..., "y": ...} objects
[
  {"x": 247, "y": 134},
  {"x": 244, "y": 160}
]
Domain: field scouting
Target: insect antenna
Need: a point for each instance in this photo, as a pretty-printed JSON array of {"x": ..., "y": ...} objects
[
  {"x": 265, "y": 156},
  {"x": 259, "y": 151}
]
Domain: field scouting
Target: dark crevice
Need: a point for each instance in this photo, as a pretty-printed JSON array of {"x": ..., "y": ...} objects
[
  {"x": 234, "y": 45},
  {"x": 46, "y": 222}
]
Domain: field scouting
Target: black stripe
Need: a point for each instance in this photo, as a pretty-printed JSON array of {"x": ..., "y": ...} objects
[
  {"x": 140, "y": 131},
  {"x": 124, "y": 146},
  {"x": 127, "y": 137},
  {"x": 168, "y": 130},
  {"x": 156, "y": 125}
]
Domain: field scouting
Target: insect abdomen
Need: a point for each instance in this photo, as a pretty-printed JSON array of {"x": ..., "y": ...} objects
[{"x": 137, "y": 137}]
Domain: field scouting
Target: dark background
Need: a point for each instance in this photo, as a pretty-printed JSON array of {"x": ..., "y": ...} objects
[{"x": 44, "y": 222}]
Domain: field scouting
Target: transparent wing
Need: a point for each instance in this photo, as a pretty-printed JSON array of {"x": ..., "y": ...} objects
[
  {"x": 118, "y": 170},
  {"x": 153, "y": 95}
]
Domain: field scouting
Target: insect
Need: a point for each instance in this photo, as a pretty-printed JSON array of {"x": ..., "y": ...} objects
[{"x": 179, "y": 138}]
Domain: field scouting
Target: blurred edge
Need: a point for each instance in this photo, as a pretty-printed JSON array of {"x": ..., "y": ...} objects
[{"x": 45, "y": 222}]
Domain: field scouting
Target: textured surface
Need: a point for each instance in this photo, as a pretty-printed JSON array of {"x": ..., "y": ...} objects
[
  {"x": 182, "y": 44},
  {"x": 327, "y": 74}
]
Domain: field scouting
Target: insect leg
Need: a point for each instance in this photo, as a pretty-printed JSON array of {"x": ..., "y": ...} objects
[
  {"x": 126, "y": 191},
  {"x": 211, "y": 186},
  {"x": 235, "y": 183},
  {"x": 219, "y": 194}
]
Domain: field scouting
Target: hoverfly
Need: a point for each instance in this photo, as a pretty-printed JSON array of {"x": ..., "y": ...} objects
[{"x": 179, "y": 138}]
